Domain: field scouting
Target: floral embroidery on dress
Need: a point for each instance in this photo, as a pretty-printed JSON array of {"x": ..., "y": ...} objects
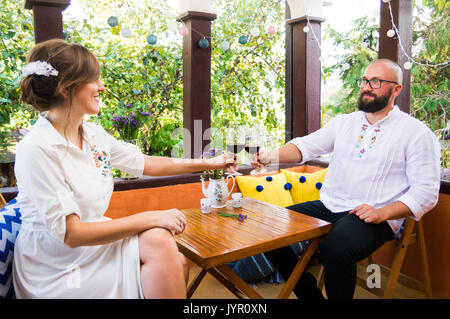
[
  {"x": 101, "y": 160},
  {"x": 362, "y": 150}
]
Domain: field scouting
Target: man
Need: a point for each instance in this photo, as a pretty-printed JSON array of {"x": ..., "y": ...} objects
[{"x": 385, "y": 167}]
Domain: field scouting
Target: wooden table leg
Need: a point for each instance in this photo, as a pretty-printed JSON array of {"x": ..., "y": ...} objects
[
  {"x": 193, "y": 286},
  {"x": 227, "y": 283},
  {"x": 299, "y": 268},
  {"x": 239, "y": 282}
]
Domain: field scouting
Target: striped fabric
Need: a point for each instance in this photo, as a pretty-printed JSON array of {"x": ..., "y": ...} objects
[
  {"x": 257, "y": 268},
  {"x": 10, "y": 223}
]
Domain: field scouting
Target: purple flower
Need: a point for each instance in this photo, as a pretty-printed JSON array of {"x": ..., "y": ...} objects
[
  {"x": 242, "y": 217},
  {"x": 129, "y": 105}
]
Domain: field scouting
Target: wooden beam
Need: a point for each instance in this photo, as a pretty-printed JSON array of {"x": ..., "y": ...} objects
[
  {"x": 390, "y": 47},
  {"x": 47, "y": 18},
  {"x": 303, "y": 115},
  {"x": 196, "y": 82},
  {"x": 288, "y": 135}
]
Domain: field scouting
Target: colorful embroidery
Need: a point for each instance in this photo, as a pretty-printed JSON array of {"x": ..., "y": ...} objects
[
  {"x": 101, "y": 160},
  {"x": 362, "y": 150}
]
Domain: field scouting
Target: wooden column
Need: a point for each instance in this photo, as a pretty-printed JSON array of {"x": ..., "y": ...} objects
[
  {"x": 196, "y": 82},
  {"x": 303, "y": 77},
  {"x": 390, "y": 47},
  {"x": 47, "y": 18}
]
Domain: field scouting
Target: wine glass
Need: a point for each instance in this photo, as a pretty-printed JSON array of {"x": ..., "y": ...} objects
[
  {"x": 235, "y": 142},
  {"x": 253, "y": 142}
]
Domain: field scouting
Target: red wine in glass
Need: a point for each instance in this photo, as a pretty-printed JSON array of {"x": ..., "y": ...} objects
[
  {"x": 235, "y": 148},
  {"x": 252, "y": 149}
]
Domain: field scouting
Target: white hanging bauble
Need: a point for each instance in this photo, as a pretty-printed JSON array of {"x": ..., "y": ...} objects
[
  {"x": 126, "y": 33},
  {"x": 254, "y": 32},
  {"x": 224, "y": 45},
  {"x": 390, "y": 33},
  {"x": 408, "y": 65}
]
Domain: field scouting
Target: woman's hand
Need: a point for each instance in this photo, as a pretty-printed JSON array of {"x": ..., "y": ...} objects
[
  {"x": 226, "y": 161},
  {"x": 171, "y": 219}
]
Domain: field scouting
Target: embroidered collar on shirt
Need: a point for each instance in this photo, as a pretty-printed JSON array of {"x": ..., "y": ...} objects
[{"x": 362, "y": 149}]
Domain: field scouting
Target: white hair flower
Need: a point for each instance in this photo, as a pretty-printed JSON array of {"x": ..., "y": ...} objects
[{"x": 38, "y": 68}]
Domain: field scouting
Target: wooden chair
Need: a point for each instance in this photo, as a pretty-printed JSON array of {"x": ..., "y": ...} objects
[
  {"x": 2, "y": 201},
  {"x": 412, "y": 234}
]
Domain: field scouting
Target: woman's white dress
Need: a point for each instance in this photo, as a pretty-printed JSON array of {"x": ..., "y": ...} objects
[{"x": 56, "y": 179}]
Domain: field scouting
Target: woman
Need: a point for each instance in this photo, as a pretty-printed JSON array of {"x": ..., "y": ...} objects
[{"x": 66, "y": 247}]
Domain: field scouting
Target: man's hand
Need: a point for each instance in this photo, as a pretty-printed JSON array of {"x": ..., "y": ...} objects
[
  {"x": 369, "y": 214},
  {"x": 261, "y": 159}
]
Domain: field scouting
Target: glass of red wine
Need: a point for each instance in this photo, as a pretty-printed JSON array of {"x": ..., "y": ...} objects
[
  {"x": 235, "y": 142},
  {"x": 252, "y": 146}
]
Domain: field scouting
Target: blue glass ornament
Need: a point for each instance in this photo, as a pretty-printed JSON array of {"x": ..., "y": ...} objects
[
  {"x": 203, "y": 43},
  {"x": 269, "y": 178},
  {"x": 287, "y": 186},
  {"x": 243, "y": 39},
  {"x": 259, "y": 188},
  {"x": 319, "y": 185},
  {"x": 302, "y": 179},
  {"x": 152, "y": 39},
  {"x": 113, "y": 21}
]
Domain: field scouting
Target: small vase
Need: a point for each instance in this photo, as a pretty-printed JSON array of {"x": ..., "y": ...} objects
[{"x": 124, "y": 174}]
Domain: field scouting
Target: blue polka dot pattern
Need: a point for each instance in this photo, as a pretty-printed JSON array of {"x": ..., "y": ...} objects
[
  {"x": 319, "y": 185},
  {"x": 302, "y": 179},
  {"x": 259, "y": 188},
  {"x": 287, "y": 186},
  {"x": 269, "y": 178}
]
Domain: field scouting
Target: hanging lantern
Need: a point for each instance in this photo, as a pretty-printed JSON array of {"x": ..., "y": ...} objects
[
  {"x": 390, "y": 33},
  {"x": 345, "y": 66},
  {"x": 152, "y": 39},
  {"x": 306, "y": 29},
  {"x": 408, "y": 65},
  {"x": 203, "y": 43},
  {"x": 271, "y": 29},
  {"x": 243, "y": 39},
  {"x": 183, "y": 30},
  {"x": 254, "y": 32},
  {"x": 113, "y": 21},
  {"x": 225, "y": 45},
  {"x": 126, "y": 33}
]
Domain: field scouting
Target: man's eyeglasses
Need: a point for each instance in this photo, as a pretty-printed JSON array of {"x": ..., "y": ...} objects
[{"x": 374, "y": 83}]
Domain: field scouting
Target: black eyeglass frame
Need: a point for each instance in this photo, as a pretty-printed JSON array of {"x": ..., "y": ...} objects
[{"x": 363, "y": 82}]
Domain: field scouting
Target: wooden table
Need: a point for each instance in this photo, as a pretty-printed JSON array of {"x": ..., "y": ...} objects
[{"x": 212, "y": 241}]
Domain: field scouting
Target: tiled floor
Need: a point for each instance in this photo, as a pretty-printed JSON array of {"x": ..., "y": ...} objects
[{"x": 210, "y": 288}]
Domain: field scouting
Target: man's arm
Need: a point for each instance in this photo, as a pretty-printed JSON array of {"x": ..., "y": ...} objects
[{"x": 288, "y": 153}]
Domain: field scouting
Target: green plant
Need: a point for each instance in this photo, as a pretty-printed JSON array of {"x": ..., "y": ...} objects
[{"x": 16, "y": 38}]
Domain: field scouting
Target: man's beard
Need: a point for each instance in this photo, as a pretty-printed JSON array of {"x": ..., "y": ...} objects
[{"x": 378, "y": 103}]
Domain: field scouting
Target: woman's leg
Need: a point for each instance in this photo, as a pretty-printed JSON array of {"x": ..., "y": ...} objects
[{"x": 163, "y": 268}]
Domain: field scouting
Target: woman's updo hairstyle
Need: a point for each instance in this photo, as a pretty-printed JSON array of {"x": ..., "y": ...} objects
[{"x": 75, "y": 65}]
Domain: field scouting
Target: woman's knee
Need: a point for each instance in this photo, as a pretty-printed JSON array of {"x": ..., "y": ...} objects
[{"x": 156, "y": 241}]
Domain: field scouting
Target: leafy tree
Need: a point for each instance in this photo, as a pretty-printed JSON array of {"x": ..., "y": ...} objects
[
  {"x": 16, "y": 38},
  {"x": 429, "y": 84}
]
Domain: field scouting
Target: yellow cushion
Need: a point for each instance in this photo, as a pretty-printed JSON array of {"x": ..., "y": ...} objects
[
  {"x": 272, "y": 189},
  {"x": 305, "y": 186}
]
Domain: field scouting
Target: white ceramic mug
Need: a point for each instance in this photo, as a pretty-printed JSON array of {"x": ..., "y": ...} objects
[
  {"x": 205, "y": 205},
  {"x": 237, "y": 200}
]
